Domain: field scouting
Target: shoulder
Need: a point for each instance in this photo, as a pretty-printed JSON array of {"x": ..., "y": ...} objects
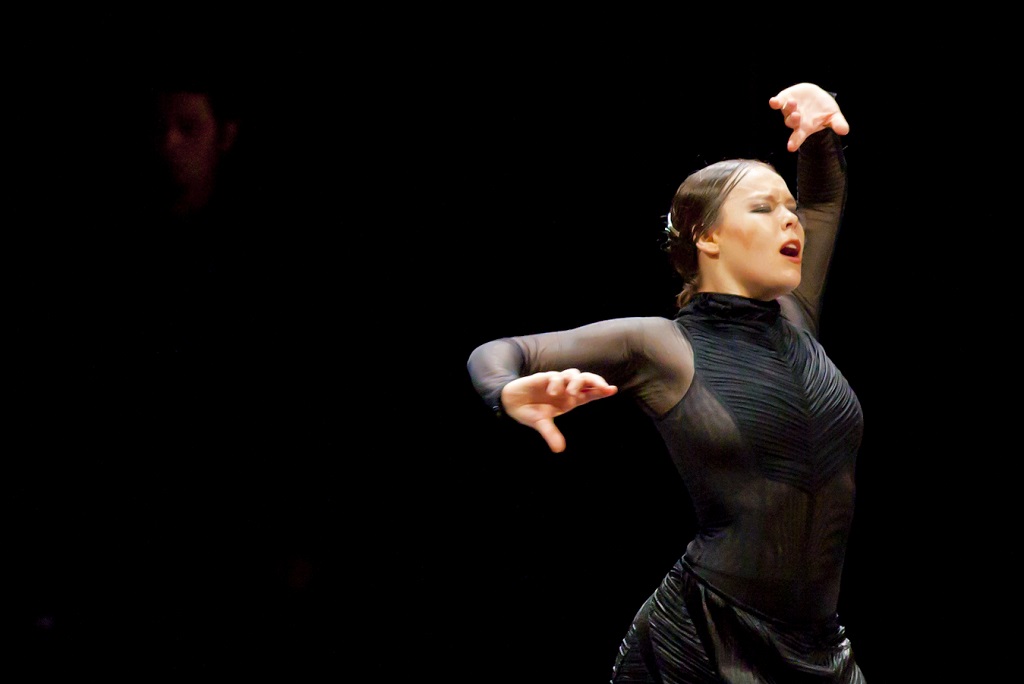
[
  {"x": 798, "y": 313},
  {"x": 649, "y": 329}
]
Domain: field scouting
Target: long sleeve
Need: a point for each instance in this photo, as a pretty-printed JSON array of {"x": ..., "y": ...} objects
[
  {"x": 821, "y": 198},
  {"x": 648, "y": 358}
]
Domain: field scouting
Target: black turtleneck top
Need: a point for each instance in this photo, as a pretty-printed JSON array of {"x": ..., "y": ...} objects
[{"x": 762, "y": 427}]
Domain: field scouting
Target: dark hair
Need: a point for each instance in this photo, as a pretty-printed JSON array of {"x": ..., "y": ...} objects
[
  {"x": 695, "y": 209},
  {"x": 226, "y": 103},
  {"x": 202, "y": 73}
]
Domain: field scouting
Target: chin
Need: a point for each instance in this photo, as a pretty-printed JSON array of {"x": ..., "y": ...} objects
[{"x": 783, "y": 288}]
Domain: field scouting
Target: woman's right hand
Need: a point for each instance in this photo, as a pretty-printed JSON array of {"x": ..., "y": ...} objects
[{"x": 536, "y": 400}]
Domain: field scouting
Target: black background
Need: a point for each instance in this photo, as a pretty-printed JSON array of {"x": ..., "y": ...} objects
[{"x": 320, "y": 490}]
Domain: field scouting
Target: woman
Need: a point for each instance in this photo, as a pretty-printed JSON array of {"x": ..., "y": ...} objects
[{"x": 761, "y": 426}]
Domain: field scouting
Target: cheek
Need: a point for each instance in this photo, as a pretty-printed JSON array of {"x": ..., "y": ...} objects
[
  {"x": 751, "y": 240},
  {"x": 739, "y": 233}
]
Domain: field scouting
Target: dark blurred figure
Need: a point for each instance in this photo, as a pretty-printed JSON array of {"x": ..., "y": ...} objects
[
  {"x": 170, "y": 519},
  {"x": 193, "y": 228},
  {"x": 194, "y": 132}
]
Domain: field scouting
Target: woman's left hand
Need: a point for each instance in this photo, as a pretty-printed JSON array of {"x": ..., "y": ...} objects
[{"x": 807, "y": 109}]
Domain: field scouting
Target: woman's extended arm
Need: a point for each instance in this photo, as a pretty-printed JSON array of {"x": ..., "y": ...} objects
[{"x": 536, "y": 378}]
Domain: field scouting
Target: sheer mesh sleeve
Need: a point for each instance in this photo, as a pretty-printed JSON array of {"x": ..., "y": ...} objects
[
  {"x": 648, "y": 358},
  {"x": 821, "y": 198}
]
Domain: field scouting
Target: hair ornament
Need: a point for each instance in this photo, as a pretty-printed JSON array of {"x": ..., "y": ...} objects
[{"x": 669, "y": 228}]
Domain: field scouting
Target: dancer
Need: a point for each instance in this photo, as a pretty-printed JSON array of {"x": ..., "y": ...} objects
[{"x": 762, "y": 427}]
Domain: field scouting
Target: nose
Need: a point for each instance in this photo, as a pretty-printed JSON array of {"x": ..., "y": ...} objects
[
  {"x": 790, "y": 220},
  {"x": 170, "y": 139}
]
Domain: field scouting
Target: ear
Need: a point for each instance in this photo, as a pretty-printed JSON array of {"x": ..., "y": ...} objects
[
  {"x": 707, "y": 243},
  {"x": 228, "y": 135}
]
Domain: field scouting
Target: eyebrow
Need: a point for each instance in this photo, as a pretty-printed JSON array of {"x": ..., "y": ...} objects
[{"x": 771, "y": 197}]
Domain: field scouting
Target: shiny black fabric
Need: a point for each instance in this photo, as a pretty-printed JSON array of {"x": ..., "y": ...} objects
[
  {"x": 766, "y": 440},
  {"x": 665, "y": 644}
]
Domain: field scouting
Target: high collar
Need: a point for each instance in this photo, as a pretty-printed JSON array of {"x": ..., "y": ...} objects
[{"x": 731, "y": 307}]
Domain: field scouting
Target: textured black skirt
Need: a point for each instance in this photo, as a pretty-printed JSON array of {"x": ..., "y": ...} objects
[{"x": 688, "y": 633}]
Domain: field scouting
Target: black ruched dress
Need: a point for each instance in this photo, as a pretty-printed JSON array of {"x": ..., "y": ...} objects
[{"x": 764, "y": 431}]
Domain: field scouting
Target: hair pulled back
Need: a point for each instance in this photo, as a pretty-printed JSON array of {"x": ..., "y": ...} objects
[{"x": 695, "y": 209}]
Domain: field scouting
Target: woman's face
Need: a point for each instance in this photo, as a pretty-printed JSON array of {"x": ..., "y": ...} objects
[{"x": 757, "y": 243}]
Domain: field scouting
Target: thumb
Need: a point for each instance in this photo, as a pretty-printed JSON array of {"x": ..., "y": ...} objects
[
  {"x": 551, "y": 434},
  {"x": 839, "y": 124}
]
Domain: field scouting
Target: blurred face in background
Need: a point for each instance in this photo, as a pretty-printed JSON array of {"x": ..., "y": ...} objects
[{"x": 190, "y": 143}]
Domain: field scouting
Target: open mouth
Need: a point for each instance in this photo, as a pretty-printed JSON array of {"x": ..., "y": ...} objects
[{"x": 791, "y": 249}]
